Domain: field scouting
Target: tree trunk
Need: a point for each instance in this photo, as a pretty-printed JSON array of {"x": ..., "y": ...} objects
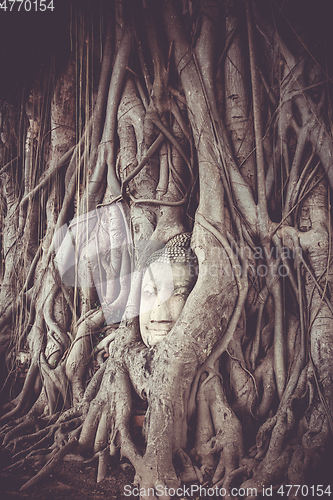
[{"x": 194, "y": 135}]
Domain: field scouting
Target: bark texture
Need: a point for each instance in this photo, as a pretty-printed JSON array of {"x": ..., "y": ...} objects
[{"x": 211, "y": 117}]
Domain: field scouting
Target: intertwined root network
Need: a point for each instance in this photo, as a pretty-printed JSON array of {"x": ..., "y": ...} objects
[{"x": 203, "y": 121}]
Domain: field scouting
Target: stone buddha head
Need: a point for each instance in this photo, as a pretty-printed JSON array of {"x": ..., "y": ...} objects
[{"x": 168, "y": 280}]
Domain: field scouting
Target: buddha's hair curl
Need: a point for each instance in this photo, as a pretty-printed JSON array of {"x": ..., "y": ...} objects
[{"x": 177, "y": 250}]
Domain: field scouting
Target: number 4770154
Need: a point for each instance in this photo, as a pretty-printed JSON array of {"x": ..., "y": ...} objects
[
  {"x": 26, "y": 5},
  {"x": 303, "y": 490}
]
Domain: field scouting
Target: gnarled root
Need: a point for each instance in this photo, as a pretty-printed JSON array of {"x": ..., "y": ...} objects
[
  {"x": 56, "y": 457},
  {"x": 26, "y": 396},
  {"x": 273, "y": 467},
  {"x": 216, "y": 420}
]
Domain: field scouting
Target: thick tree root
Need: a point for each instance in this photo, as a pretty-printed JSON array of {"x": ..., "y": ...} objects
[{"x": 225, "y": 431}]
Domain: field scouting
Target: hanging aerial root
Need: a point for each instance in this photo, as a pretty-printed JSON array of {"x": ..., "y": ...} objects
[
  {"x": 153, "y": 148},
  {"x": 47, "y": 176}
]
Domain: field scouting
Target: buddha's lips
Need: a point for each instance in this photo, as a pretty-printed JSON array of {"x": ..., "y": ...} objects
[{"x": 159, "y": 331}]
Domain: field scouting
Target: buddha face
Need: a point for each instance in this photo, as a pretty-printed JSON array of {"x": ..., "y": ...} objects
[{"x": 165, "y": 288}]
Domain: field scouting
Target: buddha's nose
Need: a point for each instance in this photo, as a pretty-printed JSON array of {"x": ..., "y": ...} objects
[{"x": 161, "y": 312}]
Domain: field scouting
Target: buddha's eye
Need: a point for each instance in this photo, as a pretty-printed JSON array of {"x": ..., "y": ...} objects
[
  {"x": 149, "y": 291},
  {"x": 181, "y": 292}
]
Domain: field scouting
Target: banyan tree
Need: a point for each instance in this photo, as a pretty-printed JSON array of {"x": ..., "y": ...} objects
[{"x": 166, "y": 240}]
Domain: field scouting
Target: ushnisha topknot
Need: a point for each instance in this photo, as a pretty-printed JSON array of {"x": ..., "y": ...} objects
[{"x": 177, "y": 249}]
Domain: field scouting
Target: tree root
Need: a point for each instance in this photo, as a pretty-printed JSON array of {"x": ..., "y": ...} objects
[
  {"x": 189, "y": 471},
  {"x": 223, "y": 343},
  {"x": 17, "y": 429},
  {"x": 41, "y": 438},
  {"x": 227, "y": 438},
  {"x": 56, "y": 458},
  {"x": 227, "y": 481},
  {"x": 26, "y": 394},
  {"x": 102, "y": 464}
]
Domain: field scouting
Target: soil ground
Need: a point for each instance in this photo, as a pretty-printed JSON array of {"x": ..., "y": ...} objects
[
  {"x": 76, "y": 480},
  {"x": 70, "y": 480}
]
